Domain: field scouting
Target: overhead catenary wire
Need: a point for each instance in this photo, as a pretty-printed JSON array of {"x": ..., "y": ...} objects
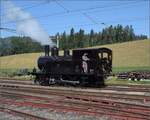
[
  {"x": 8, "y": 29},
  {"x": 92, "y": 24},
  {"x": 85, "y": 14},
  {"x": 99, "y": 22},
  {"x": 70, "y": 11},
  {"x": 7, "y": 8},
  {"x": 90, "y": 18},
  {"x": 89, "y": 11},
  {"x": 29, "y": 7},
  {"x": 67, "y": 10}
]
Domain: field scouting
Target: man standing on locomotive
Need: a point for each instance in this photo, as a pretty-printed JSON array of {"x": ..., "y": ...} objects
[{"x": 84, "y": 62}]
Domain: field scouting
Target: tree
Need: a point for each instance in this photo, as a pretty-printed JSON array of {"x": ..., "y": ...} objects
[
  {"x": 63, "y": 41},
  {"x": 110, "y": 34},
  {"x": 131, "y": 33},
  {"x": 71, "y": 39},
  {"x": 17, "y": 45},
  {"x": 126, "y": 33},
  {"x": 91, "y": 38},
  {"x": 104, "y": 36},
  {"x": 80, "y": 39}
]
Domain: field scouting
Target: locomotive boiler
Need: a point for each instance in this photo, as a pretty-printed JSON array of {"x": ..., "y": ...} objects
[{"x": 84, "y": 67}]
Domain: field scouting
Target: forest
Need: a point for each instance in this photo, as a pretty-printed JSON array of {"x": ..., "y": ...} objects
[
  {"x": 18, "y": 45},
  {"x": 109, "y": 35}
]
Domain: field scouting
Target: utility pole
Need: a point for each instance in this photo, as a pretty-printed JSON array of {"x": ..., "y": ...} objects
[{"x": 57, "y": 39}]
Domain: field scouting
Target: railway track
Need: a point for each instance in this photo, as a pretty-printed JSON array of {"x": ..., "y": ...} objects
[
  {"x": 141, "y": 88},
  {"x": 99, "y": 94},
  {"x": 81, "y": 101},
  {"x": 95, "y": 96},
  {"x": 83, "y": 104},
  {"x": 25, "y": 116},
  {"x": 16, "y": 81},
  {"x": 101, "y": 107}
]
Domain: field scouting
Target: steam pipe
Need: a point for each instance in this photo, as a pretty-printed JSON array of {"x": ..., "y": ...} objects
[{"x": 46, "y": 49}]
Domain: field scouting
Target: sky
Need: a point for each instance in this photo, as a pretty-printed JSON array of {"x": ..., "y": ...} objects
[{"x": 61, "y": 15}]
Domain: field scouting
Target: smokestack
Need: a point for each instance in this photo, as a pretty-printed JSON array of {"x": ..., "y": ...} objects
[
  {"x": 46, "y": 49},
  {"x": 54, "y": 52},
  {"x": 66, "y": 53}
]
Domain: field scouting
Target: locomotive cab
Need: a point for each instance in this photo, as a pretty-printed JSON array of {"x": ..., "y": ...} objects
[
  {"x": 105, "y": 60},
  {"x": 93, "y": 61}
]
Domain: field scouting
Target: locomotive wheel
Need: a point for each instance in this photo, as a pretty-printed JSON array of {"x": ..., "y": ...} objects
[
  {"x": 84, "y": 81},
  {"x": 41, "y": 80},
  {"x": 51, "y": 81},
  {"x": 36, "y": 80},
  {"x": 99, "y": 81}
]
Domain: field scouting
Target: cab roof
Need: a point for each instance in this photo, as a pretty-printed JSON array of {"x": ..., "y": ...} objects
[{"x": 103, "y": 49}]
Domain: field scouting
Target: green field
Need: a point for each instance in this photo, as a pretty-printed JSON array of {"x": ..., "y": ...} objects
[
  {"x": 127, "y": 56},
  {"x": 116, "y": 81}
]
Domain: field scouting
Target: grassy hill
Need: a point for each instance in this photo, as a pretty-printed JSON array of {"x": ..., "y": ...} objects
[
  {"x": 133, "y": 55},
  {"x": 126, "y": 56}
]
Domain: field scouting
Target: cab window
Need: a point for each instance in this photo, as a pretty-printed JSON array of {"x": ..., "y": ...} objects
[{"x": 105, "y": 55}]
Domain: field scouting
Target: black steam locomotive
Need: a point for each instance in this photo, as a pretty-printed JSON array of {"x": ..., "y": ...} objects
[{"x": 85, "y": 67}]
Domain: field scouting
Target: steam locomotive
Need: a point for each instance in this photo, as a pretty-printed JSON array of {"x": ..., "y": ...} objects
[{"x": 85, "y": 67}]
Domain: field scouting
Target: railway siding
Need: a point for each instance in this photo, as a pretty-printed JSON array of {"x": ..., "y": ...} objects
[{"x": 116, "y": 102}]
